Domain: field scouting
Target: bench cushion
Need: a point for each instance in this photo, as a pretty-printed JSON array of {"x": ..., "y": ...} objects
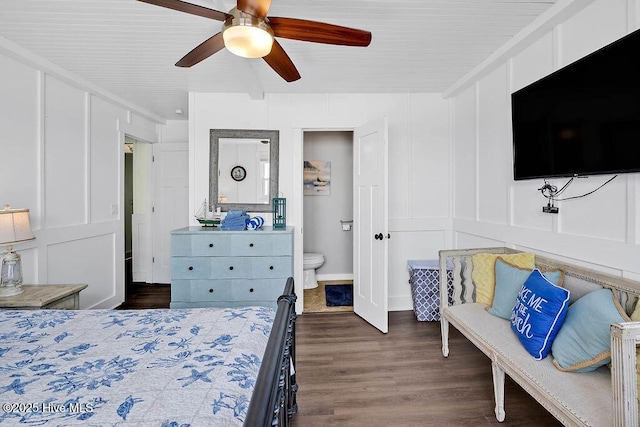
[{"x": 587, "y": 396}]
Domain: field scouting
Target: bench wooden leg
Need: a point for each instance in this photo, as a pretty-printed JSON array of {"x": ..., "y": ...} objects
[
  {"x": 444, "y": 333},
  {"x": 498, "y": 390}
]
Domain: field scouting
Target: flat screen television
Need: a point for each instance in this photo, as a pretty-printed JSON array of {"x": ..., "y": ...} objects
[{"x": 583, "y": 119}]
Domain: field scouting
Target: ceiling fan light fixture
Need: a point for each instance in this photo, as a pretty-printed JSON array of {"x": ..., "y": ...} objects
[{"x": 247, "y": 36}]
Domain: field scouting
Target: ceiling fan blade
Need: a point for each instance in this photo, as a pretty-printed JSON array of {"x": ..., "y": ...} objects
[
  {"x": 193, "y": 9},
  {"x": 257, "y": 8},
  {"x": 318, "y": 32},
  {"x": 281, "y": 63},
  {"x": 202, "y": 51}
]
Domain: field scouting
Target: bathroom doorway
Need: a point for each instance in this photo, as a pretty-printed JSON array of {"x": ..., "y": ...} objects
[{"x": 328, "y": 219}]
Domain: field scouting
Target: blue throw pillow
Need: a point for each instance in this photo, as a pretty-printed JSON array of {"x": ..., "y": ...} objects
[
  {"x": 509, "y": 280},
  {"x": 584, "y": 342},
  {"x": 538, "y": 314}
]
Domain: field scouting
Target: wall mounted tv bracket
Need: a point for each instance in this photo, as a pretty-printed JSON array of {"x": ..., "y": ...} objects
[{"x": 549, "y": 191}]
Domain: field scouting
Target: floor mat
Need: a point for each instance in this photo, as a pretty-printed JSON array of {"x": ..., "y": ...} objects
[{"x": 339, "y": 295}]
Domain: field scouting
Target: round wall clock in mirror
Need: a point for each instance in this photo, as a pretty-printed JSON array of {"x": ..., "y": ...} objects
[{"x": 238, "y": 173}]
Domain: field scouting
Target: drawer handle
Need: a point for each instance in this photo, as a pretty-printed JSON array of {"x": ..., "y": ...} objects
[
  {"x": 210, "y": 291},
  {"x": 210, "y": 245},
  {"x": 250, "y": 245},
  {"x": 271, "y": 267},
  {"x": 231, "y": 268},
  {"x": 190, "y": 268},
  {"x": 251, "y": 290}
]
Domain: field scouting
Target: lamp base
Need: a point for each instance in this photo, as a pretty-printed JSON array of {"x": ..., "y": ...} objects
[
  {"x": 11, "y": 274},
  {"x": 9, "y": 291}
]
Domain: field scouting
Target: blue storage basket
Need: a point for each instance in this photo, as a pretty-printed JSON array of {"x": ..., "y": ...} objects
[{"x": 424, "y": 278}]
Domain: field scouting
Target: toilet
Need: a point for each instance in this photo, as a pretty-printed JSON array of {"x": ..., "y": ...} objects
[{"x": 310, "y": 263}]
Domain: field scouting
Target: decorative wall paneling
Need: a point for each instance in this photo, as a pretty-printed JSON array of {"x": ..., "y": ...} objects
[
  {"x": 64, "y": 161},
  {"x": 600, "y": 230}
]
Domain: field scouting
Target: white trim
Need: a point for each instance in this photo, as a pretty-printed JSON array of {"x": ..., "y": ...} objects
[
  {"x": 400, "y": 303},
  {"x": 338, "y": 276}
]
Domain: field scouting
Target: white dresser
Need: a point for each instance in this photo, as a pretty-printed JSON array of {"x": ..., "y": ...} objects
[{"x": 214, "y": 268}]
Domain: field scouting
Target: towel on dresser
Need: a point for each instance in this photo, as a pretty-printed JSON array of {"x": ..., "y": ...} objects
[{"x": 235, "y": 220}]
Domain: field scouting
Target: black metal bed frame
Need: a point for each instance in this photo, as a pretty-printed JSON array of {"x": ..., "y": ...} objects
[{"x": 273, "y": 401}]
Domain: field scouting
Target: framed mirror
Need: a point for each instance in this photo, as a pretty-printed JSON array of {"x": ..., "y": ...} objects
[{"x": 243, "y": 169}]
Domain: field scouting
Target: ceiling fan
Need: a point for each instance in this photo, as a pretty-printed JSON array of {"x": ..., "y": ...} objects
[{"x": 248, "y": 32}]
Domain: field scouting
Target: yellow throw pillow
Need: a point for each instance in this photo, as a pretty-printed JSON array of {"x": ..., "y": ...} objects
[{"x": 484, "y": 271}]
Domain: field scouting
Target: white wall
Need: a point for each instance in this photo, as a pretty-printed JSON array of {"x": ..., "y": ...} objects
[
  {"x": 419, "y": 173},
  {"x": 62, "y": 157},
  {"x": 600, "y": 230}
]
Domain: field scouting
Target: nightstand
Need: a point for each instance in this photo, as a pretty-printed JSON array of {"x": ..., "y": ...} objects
[{"x": 52, "y": 297}]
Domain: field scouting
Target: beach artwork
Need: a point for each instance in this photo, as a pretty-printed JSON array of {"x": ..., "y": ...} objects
[{"x": 317, "y": 178}]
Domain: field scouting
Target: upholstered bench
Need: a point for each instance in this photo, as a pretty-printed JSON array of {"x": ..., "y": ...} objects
[{"x": 603, "y": 397}]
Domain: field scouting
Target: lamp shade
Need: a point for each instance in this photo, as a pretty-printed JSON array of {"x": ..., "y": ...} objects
[
  {"x": 14, "y": 226},
  {"x": 246, "y": 35},
  {"x": 247, "y": 41}
]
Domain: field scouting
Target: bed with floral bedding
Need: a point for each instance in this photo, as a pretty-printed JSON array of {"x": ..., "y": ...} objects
[{"x": 173, "y": 367}]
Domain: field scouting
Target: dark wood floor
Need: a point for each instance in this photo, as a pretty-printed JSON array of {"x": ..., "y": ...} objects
[
  {"x": 350, "y": 374},
  {"x": 143, "y": 295}
]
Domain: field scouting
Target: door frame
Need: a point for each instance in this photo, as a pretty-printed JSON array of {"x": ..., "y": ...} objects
[
  {"x": 297, "y": 204},
  {"x": 141, "y": 248},
  {"x": 297, "y": 211},
  {"x": 143, "y": 135}
]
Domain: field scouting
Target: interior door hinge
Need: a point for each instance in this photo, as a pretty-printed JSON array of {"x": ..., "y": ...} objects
[
  {"x": 153, "y": 158},
  {"x": 153, "y": 209},
  {"x": 153, "y": 259}
]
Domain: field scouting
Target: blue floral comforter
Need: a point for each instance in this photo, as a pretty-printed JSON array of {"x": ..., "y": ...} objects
[{"x": 179, "y": 367}]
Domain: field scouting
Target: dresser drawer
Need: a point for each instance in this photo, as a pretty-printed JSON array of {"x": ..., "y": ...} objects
[
  {"x": 271, "y": 267},
  {"x": 216, "y": 268},
  {"x": 257, "y": 290},
  {"x": 206, "y": 244},
  {"x": 226, "y": 290},
  {"x": 253, "y": 243},
  {"x": 190, "y": 268},
  {"x": 230, "y": 267},
  {"x": 201, "y": 290}
]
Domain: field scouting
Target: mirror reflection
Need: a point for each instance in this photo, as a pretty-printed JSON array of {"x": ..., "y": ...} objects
[{"x": 243, "y": 169}]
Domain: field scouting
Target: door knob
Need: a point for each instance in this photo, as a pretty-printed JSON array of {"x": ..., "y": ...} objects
[
  {"x": 378, "y": 236},
  {"x": 388, "y": 236}
]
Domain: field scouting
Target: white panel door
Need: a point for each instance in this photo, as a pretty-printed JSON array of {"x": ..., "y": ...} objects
[
  {"x": 141, "y": 239},
  {"x": 371, "y": 228},
  {"x": 171, "y": 202},
  {"x": 141, "y": 248}
]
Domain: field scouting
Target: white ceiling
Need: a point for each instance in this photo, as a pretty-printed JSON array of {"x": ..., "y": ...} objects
[{"x": 129, "y": 48}]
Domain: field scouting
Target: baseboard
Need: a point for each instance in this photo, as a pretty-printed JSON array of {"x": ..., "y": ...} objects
[
  {"x": 324, "y": 277},
  {"x": 400, "y": 303}
]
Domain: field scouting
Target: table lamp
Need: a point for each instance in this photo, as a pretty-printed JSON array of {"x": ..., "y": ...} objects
[{"x": 14, "y": 228}]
